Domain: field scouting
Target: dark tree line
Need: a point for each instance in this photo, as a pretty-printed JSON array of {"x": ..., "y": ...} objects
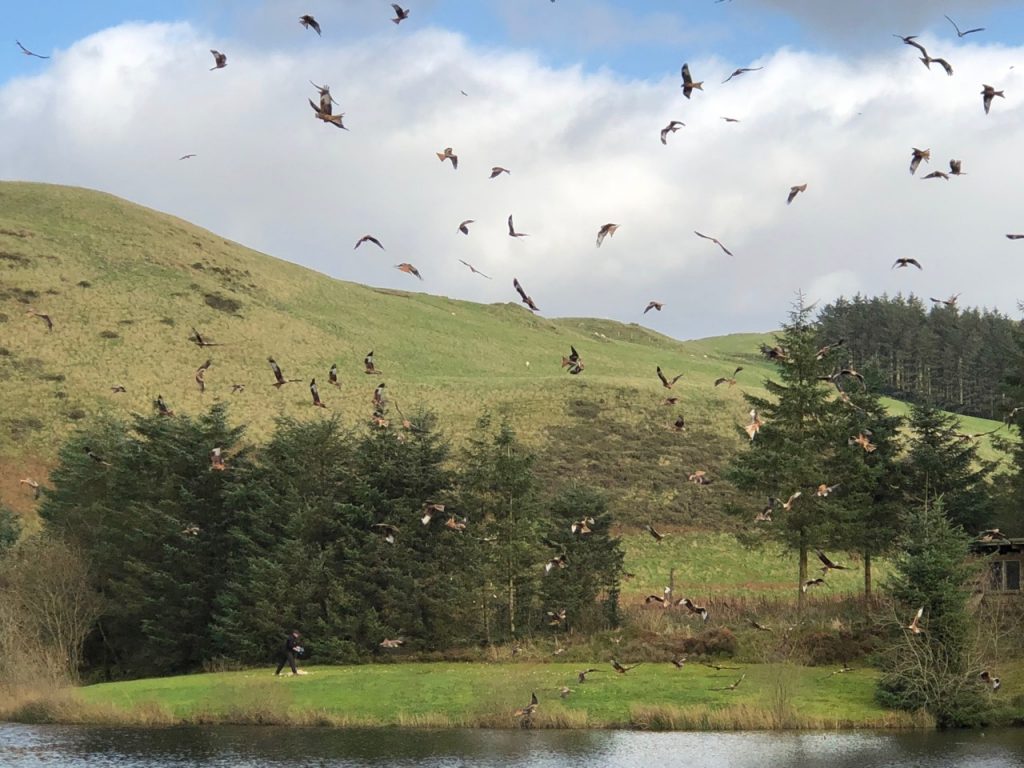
[
  {"x": 195, "y": 565},
  {"x": 924, "y": 352}
]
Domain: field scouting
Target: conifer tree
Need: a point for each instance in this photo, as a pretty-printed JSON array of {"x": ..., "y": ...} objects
[
  {"x": 801, "y": 443},
  {"x": 940, "y": 462}
]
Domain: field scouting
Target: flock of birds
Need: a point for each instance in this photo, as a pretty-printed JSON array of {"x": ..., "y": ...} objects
[{"x": 323, "y": 109}]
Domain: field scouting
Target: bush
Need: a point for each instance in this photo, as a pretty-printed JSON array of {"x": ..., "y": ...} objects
[{"x": 719, "y": 641}]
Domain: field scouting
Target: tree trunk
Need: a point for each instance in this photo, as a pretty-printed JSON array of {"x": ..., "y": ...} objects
[
  {"x": 803, "y": 571},
  {"x": 511, "y": 607},
  {"x": 867, "y": 577}
]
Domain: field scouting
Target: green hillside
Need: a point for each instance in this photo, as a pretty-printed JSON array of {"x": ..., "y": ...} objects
[{"x": 124, "y": 285}]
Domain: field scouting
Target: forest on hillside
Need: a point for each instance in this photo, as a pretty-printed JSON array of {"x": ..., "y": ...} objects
[{"x": 926, "y": 350}]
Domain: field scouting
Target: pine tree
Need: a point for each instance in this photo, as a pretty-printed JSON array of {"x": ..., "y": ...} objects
[
  {"x": 10, "y": 529},
  {"x": 801, "y": 443},
  {"x": 934, "y": 668},
  {"x": 941, "y": 462}
]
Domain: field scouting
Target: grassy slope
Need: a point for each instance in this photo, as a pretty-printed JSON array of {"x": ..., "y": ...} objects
[
  {"x": 487, "y": 694},
  {"x": 124, "y": 284}
]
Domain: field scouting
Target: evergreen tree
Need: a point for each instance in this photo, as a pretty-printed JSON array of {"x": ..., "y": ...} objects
[
  {"x": 10, "y": 529},
  {"x": 802, "y": 443},
  {"x": 934, "y": 668},
  {"x": 497, "y": 483},
  {"x": 941, "y": 462},
  {"x": 587, "y": 588}
]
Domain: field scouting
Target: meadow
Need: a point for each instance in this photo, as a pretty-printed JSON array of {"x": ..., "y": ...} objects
[{"x": 125, "y": 285}]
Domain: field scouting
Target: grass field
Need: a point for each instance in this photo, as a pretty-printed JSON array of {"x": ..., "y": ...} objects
[
  {"x": 124, "y": 285},
  {"x": 474, "y": 694}
]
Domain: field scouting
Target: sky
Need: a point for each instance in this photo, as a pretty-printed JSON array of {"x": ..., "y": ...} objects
[{"x": 570, "y": 96}]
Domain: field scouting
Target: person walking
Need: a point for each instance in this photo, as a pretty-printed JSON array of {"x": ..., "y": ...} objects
[{"x": 292, "y": 647}]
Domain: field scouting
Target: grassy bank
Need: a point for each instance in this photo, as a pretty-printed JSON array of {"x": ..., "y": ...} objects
[{"x": 652, "y": 696}]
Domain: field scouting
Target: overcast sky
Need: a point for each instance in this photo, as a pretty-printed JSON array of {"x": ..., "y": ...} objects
[{"x": 570, "y": 96}]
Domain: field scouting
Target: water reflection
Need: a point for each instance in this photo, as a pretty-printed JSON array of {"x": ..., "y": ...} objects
[{"x": 230, "y": 747}]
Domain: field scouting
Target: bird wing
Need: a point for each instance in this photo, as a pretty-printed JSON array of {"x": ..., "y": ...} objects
[
  {"x": 518, "y": 287},
  {"x": 662, "y": 376},
  {"x": 687, "y": 80},
  {"x": 511, "y": 228},
  {"x": 824, "y": 560}
]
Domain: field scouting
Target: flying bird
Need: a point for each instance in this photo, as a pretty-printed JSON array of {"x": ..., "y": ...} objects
[
  {"x": 27, "y": 52},
  {"x": 962, "y": 34},
  {"x": 314, "y": 390},
  {"x": 464, "y": 226},
  {"x": 730, "y": 119},
  {"x": 529, "y": 709},
  {"x": 429, "y": 510},
  {"x": 573, "y": 362},
  {"x": 409, "y": 269},
  {"x": 910, "y": 40},
  {"x": 936, "y": 175},
  {"x": 621, "y": 669},
  {"x": 118, "y": 389},
  {"x": 654, "y": 305},
  {"x": 672, "y": 127},
  {"x": 730, "y": 380},
  {"x": 812, "y": 583},
  {"x": 280, "y": 380},
  {"x": 308, "y": 21},
  {"x": 605, "y": 231},
  {"x": 201, "y": 341},
  {"x": 556, "y": 562},
  {"x": 96, "y": 457},
  {"x": 512, "y": 230},
  {"x": 905, "y": 262},
  {"x": 794, "y": 191},
  {"x": 699, "y": 610},
  {"x": 200, "y": 375},
  {"x": 988, "y": 94},
  {"x": 929, "y": 60},
  {"x": 582, "y": 526},
  {"x": 447, "y": 154},
  {"x": 917, "y": 156},
  {"x": 401, "y": 14},
  {"x": 654, "y": 533},
  {"x": 988, "y": 677},
  {"x": 665, "y": 381},
  {"x": 220, "y": 60},
  {"x": 474, "y": 270},
  {"x": 1015, "y": 237},
  {"x": 162, "y": 407},
  {"x": 42, "y": 316},
  {"x": 950, "y": 302},
  {"x": 824, "y": 489},
  {"x": 217, "y": 460},
  {"x": 523, "y": 297},
  {"x": 581, "y": 676},
  {"x": 740, "y": 71},
  {"x": 189, "y": 156},
  {"x": 389, "y": 532},
  {"x": 732, "y": 686},
  {"x": 679, "y": 425},
  {"x": 497, "y": 170},
  {"x": 828, "y": 564},
  {"x": 914, "y": 626},
  {"x": 368, "y": 239},
  {"x": 665, "y": 599},
  {"x": 33, "y": 484},
  {"x": 864, "y": 441},
  {"x": 327, "y": 116},
  {"x": 954, "y": 168},
  {"x": 715, "y": 240},
  {"x": 688, "y": 82},
  {"x": 392, "y": 642},
  {"x": 699, "y": 477}
]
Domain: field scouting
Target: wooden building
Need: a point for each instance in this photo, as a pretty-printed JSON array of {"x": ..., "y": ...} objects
[{"x": 1005, "y": 558}]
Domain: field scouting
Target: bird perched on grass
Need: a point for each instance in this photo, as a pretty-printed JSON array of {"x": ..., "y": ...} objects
[
  {"x": 368, "y": 365},
  {"x": 200, "y": 375},
  {"x": 314, "y": 390}
]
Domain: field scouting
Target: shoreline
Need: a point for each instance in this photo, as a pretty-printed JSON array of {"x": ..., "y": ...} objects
[{"x": 436, "y": 695}]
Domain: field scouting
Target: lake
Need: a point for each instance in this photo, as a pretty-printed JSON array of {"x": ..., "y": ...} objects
[{"x": 22, "y": 746}]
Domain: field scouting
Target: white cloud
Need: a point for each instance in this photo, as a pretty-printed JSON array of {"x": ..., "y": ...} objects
[{"x": 117, "y": 109}]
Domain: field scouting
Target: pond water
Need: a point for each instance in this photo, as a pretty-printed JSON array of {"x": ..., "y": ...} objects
[{"x": 244, "y": 747}]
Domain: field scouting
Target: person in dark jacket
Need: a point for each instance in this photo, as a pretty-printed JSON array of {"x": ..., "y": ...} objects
[{"x": 292, "y": 647}]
